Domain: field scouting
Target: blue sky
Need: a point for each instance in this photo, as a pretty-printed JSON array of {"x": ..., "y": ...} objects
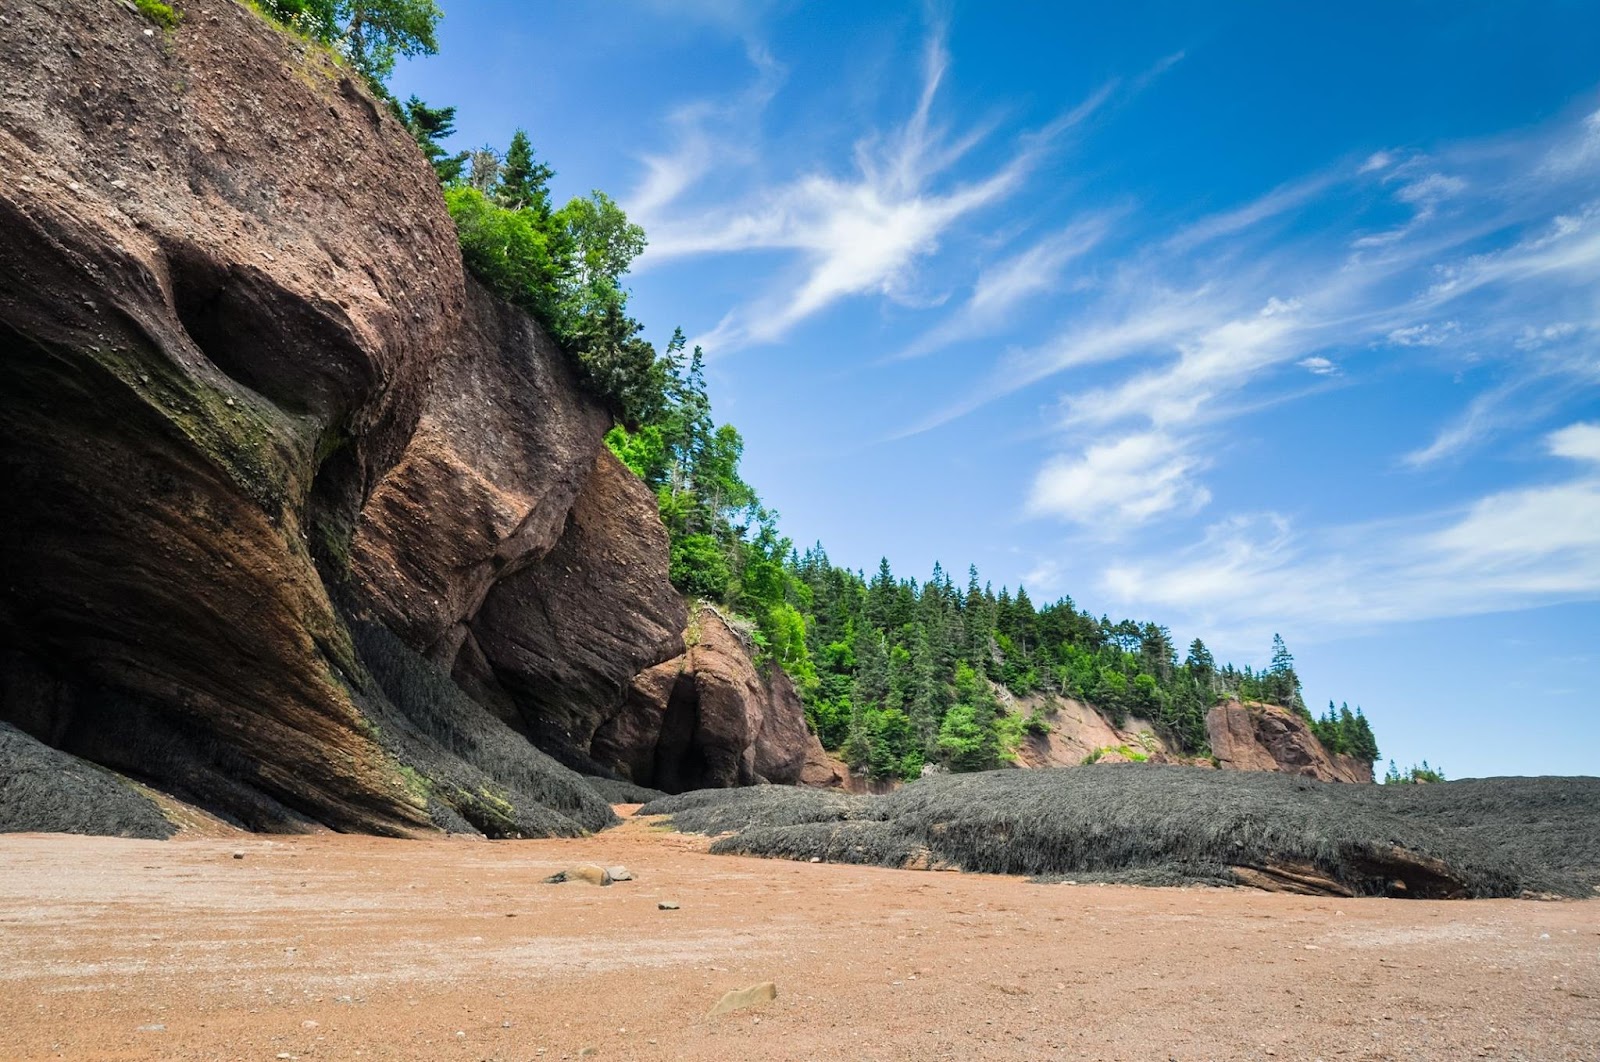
[{"x": 1245, "y": 319}]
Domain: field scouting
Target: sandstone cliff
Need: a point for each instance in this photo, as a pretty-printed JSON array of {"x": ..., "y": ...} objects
[
  {"x": 251, "y": 396},
  {"x": 709, "y": 719},
  {"x": 1265, "y": 737},
  {"x": 1077, "y": 731},
  {"x": 304, "y": 525}
]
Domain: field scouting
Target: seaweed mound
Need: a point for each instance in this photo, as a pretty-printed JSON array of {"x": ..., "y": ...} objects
[
  {"x": 43, "y": 790},
  {"x": 1147, "y": 824},
  {"x": 468, "y": 761}
]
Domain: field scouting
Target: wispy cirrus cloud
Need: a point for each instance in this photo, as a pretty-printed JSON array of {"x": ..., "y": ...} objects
[
  {"x": 1123, "y": 482},
  {"x": 1198, "y": 327},
  {"x": 1003, "y": 287},
  {"x": 1508, "y": 549},
  {"x": 849, "y": 235}
]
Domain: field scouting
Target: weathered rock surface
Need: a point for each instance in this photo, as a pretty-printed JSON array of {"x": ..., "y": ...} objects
[
  {"x": 822, "y": 769},
  {"x": 1077, "y": 731},
  {"x": 1265, "y": 737},
  {"x": 504, "y": 445},
  {"x": 564, "y": 637},
  {"x": 246, "y": 378},
  {"x": 707, "y": 719}
]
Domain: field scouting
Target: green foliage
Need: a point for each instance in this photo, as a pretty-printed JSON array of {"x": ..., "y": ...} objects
[
  {"x": 1412, "y": 775},
  {"x": 1037, "y": 722},
  {"x": 524, "y": 183},
  {"x": 378, "y": 32},
  {"x": 505, "y": 249},
  {"x": 1347, "y": 733},
  {"x": 565, "y": 267},
  {"x": 618, "y": 365},
  {"x": 430, "y": 126},
  {"x": 161, "y": 14},
  {"x": 370, "y": 34},
  {"x": 698, "y": 567}
]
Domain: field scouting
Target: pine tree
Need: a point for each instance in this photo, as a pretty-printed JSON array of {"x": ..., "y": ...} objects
[
  {"x": 428, "y": 126},
  {"x": 483, "y": 166},
  {"x": 524, "y": 183}
]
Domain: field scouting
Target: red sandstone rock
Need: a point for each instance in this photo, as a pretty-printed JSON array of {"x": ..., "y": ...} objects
[
  {"x": 708, "y": 719},
  {"x": 1265, "y": 737}
]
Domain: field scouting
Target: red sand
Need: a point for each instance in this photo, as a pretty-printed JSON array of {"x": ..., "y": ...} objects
[{"x": 359, "y": 948}]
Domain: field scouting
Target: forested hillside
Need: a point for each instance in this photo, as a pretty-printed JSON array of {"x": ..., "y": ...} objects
[{"x": 895, "y": 674}]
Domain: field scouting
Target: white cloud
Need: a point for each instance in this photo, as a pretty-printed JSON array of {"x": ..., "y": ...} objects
[
  {"x": 1533, "y": 337},
  {"x": 1483, "y": 415},
  {"x": 1580, "y": 442},
  {"x": 1124, "y": 482},
  {"x": 855, "y": 235},
  {"x": 1428, "y": 191},
  {"x": 1281, "y": 200},
  {"x": 1378, "y": 160},
  {"x": 1005, "y": 286},
  {"x": 1426, "y": 334},
  {"x": 1221, "y": 359},
  {"x": 1219, "y": 310},
  {"x": 1510, "y": 549}
]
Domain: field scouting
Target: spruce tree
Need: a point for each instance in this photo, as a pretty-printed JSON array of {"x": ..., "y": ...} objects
[
  {"x": 524, "y": 183},
  {"x": 428, "y": 126}
]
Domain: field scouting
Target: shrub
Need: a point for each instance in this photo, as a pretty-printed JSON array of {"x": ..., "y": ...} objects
[
  {"x": 506, "y": 250},
  {"x": 161, "y": 14}
]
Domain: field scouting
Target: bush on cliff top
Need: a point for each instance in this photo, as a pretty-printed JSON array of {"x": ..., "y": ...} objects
[{"x": 159, "y": 13}]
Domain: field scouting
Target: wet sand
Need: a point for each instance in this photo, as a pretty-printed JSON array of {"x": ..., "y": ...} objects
[{"x": 359, "y": 948}]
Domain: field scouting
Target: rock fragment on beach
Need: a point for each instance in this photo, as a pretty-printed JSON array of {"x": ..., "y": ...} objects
[
  {"x": 744, "y": 998},
  {"x": 588, "y": 873}
]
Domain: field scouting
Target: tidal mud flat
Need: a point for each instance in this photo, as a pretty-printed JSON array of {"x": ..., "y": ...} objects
[{"x": 234, "y": 946}]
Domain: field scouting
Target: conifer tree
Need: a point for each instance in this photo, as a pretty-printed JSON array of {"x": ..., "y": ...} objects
[
  {"x": 524, "y": 183},
  {"x": 429, "y": 126}
]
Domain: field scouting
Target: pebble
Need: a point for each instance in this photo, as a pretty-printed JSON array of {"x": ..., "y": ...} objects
[
  {"x": 238, "y": 855},
  {"x": 666, "y": 905}
]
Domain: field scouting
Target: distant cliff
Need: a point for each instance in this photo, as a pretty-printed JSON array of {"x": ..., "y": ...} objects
[{"x": 1265, "y": 737}]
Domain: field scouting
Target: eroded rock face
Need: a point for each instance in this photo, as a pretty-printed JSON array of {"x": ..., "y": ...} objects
[
  {"x": 1264, "y": 737},
  {"x": 561, "y": 639},
  {"x": 244, "y": 369},
  {"x": 505, "y": 443},
  {"x": 708, "y": 719},
  {"x": 191, "y": 313},
  {"x": 1077, "y": 731}
]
